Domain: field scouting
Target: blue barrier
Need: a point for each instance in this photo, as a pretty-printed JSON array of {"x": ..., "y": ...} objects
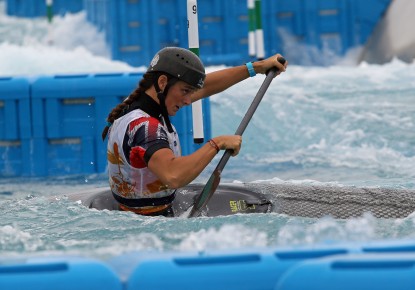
[
  {"x": 69, "y": 113},
  {"x": 383, "y": 265},
  {"x": 365, "y": 16},
  {"x": 283, "y": 17},
  {"x": 36, "y": 8},
  {"x": 327, "y": 25},
  {"x": 99, "y": 15},
  {"x": 211, "y": 271},
  {"x": 324, "y": 24},
  {"x": 57, "y": 273},
  {"x": 396, "y": 247},
  {"x": 67, "y": 120},
  {"x": 383, "y": 272},
  {"x": 15, "y": 127},
  {"x": 135, "y": 30},
  {"x": 223, "y": 27}
]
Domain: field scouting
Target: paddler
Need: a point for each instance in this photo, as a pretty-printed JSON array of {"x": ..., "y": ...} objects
[{"x": 145, "y": 165}]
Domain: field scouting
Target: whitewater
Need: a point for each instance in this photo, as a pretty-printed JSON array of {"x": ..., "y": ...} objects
[{"x": 341, "y": 124}]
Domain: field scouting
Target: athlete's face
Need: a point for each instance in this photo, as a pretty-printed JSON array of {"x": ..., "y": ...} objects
[{"x": 179, "y": 95}]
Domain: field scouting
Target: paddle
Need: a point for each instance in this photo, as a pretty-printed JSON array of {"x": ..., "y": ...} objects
[{"x": 213, "y": 182}]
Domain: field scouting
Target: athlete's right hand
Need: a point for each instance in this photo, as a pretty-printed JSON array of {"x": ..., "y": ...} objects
[{"x": 231, "y": 142}]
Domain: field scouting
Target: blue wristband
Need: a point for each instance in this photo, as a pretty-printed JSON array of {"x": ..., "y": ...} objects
[{"x": 250, "y": 68}]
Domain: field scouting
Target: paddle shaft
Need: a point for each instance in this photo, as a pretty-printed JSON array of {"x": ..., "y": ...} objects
[
  {"x": 248, "y": 116},
  {"x": 213, "y": 182}
]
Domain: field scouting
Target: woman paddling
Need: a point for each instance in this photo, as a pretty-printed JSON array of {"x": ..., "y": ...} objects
[{"x": 144, "y": 161}]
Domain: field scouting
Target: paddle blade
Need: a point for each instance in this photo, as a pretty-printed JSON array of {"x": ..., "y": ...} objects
[{"x": 203, "y": 198}]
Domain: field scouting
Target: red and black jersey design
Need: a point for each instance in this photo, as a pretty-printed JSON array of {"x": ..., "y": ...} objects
[{"x": 143, "y": 137}]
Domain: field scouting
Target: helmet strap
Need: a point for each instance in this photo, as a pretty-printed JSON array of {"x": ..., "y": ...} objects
[
  {"x": 164, "y": 113},
  {"x": 161, "y": 95}
]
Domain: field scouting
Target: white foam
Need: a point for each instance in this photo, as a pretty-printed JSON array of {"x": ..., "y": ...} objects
[{"x": 226, "y": 237}]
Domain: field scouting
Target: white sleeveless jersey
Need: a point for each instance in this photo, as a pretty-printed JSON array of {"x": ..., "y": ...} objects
[{"x": 125, "y": 180}]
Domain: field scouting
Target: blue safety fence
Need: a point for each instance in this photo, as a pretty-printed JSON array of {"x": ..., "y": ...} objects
[
  {"x": 69, "y": 114},
  {"x": 383, "y": 266},
  {"x": 57, "y": 273},
  {"x": 359, "y": 272},
  {"x": 247, "y": 270},
  {"x": 136, "y": 30},
  {"x": 37, "y": 8},
  {"x": 15, "y": 128},
  {"x": 366, "y": 15},
  {"x": 332, "y": 25},
  {"x": 53, "y": 125}
]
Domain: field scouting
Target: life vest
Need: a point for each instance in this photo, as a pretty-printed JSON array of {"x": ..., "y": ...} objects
[{"x": 136, "y": 187}]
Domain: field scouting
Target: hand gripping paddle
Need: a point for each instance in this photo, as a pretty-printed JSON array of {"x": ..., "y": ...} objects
[{"x": 203, "y": 198}]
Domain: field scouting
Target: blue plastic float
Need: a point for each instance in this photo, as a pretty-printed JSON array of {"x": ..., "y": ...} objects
[{"x": 383, "y": 266}]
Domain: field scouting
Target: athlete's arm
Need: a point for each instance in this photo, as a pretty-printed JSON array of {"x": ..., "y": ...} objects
[
  {"x": 221, "y": 80},
  {"x": 176, "y": 172}
]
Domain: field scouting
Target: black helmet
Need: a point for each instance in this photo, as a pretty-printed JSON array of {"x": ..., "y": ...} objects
[{"x": 179, "y": 63}]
